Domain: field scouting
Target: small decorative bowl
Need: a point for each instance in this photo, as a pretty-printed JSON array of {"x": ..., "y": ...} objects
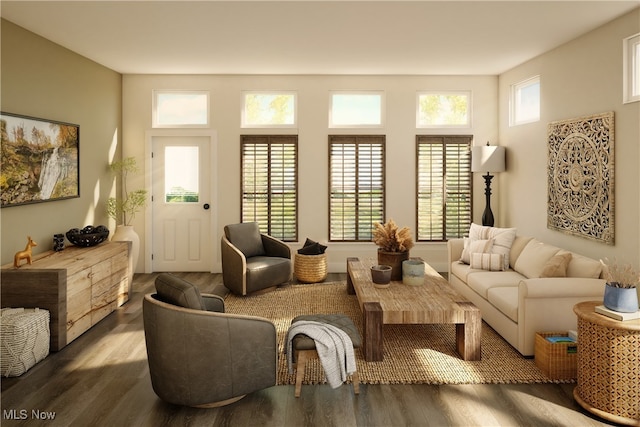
[
  {"x": 381, "y": 274},
  {"x": 88, "y": 236}
]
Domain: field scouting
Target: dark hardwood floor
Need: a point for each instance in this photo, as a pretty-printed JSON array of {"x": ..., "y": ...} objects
[{"x": 101, "y": 379}]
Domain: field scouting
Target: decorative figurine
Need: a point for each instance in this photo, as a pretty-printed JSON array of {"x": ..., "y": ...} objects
[{"x": 26, "y": 254}]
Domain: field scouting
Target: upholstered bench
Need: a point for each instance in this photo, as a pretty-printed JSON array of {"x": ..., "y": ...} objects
[
  {"x": 24, "y": 339},
  {"x": 304, "y": 348}
]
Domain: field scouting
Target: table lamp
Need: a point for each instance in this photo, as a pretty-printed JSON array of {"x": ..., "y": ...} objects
[{"x": 489, "y": 159}]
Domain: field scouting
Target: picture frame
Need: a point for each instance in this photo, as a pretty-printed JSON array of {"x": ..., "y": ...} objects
[{"x": 40, "y": 160}]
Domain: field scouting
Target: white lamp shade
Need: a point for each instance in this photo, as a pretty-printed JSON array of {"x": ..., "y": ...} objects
[{"x": 488, "y": 158}]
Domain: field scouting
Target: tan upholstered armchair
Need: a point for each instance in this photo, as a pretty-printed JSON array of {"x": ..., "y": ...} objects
[
  {"x": 200, "y": 356},
  {"x": 252, "y": 261}
]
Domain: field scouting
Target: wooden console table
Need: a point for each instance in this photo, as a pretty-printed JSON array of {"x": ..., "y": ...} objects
[
  {"x": 608, "y": 365},
  {"x": 79, "y": 287}
]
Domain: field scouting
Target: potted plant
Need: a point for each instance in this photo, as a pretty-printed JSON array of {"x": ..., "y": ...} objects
[
  {"x": 393, "y": 245},
  {"x": 620, "y": 292},
  {"x": 123, "y": 210}
]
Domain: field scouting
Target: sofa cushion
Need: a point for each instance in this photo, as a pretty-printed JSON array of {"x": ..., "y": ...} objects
[
  {"x": 557, "y": 265},
  {"x": 475, "y": 246},
  {"x": 516, "y": 248},
  {"x": 481, "y": 280},
  {"x": 461, "y": 270},
  {"x": 487, "y": 261},
  {"x": 505, "y": 300},
  {"x": 502, "y": 239},
  {"x": 581, "y": 266},
  {"x": 533, "y": 258},
  {"x": 246, "y": 237}
]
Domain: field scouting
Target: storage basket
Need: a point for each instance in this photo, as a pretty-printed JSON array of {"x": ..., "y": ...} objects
[
  {"x": 24, "y": 336},
  {"x": 558, "y": 361},
  {"x": 310, "y": 268}
]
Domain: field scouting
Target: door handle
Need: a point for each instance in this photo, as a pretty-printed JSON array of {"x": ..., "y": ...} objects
[{"x": 206, "y": 206}]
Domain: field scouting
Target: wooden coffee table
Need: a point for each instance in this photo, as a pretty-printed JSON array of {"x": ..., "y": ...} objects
[{"x": 434, "y": 302}]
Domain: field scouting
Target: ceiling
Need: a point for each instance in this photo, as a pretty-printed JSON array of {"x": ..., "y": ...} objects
[{"x": 312, "y": 37}]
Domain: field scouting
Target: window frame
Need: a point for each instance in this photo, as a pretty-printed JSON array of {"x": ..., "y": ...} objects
[
  {"x": 270, "y": 140},
  {"x": 514, "y": 92},
  {"x": 155, "y": 105},
  {"x": 383, "y": 102},
  {"x": 243, "y": 112},
  {"x": 357, "y": 140},
  {"x": 467, "y": 125},
  {"x": 631, "y": 69},
  {"x": 445, "y": 139}
]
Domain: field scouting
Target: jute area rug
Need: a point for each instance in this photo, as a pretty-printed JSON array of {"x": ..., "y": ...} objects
[{"x": 413, "y": 354}]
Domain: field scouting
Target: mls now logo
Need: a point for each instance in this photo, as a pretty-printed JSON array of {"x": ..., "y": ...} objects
[{"x": 23, "y": 414}]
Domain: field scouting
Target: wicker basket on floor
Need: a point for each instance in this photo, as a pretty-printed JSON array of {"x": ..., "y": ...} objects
[{"x": 310, "y": 268}]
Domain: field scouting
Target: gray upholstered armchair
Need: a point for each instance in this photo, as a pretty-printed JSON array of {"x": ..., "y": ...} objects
[
  {"x": 200, "y": 356},
  {"x": 252, "y": 261}
]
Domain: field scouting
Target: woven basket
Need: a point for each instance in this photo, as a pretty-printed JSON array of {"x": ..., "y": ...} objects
[
  {"x": 25, "y": 339},
  {"x": 558, "y": 361},
  {"x": 310, "y": 268}
]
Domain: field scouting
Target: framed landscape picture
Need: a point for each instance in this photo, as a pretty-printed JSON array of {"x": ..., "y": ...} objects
[{"x": 40, "y": 160}]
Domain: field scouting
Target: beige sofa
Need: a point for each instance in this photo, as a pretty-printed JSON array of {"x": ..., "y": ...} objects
[{"x": 518, "y": 302}]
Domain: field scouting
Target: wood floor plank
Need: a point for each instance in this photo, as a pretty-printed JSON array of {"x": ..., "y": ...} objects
[{"x": 102, "y": 379}]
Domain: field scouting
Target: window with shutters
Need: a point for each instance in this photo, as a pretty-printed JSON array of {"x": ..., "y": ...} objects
[
  {"x": 356, "y": 186},
  {"x": 444, "y": 187},
  {"x": 270, "y": 184}
]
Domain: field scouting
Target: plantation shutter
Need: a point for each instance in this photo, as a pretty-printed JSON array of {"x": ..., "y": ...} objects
[
  {"x": 269, "y": 184},
  {"x": 444, "y": 187},
  {"x": 357, "y": 180}
]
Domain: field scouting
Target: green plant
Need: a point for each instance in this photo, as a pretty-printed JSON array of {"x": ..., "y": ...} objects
[
  {"x": 620, "y": 275},
  {"x": 391, "y": 239},
  {"x": 124, "y": 210}
]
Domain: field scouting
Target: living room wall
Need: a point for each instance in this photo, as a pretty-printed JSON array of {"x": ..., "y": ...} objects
[
  {"x": 44, "y": 80},
  {"x": 580, "y": 78},
  {"x": 313, "y": 131}
]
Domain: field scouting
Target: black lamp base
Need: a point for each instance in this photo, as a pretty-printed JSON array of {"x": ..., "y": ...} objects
[{"x": 487, "y": 215}]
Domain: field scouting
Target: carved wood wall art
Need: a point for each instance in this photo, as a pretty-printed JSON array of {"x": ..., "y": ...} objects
[{"x": 580, "y": 197}]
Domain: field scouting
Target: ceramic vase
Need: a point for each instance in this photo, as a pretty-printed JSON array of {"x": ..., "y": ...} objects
[
  {"x": 413, "y": 272},
  {"x": 393, "y": 259},
  {"x": 624, "y": 300},
  {"x": 126, "y": 233}
]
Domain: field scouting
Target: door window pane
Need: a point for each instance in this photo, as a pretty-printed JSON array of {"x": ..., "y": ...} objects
[{"x": 181, "y": 174}]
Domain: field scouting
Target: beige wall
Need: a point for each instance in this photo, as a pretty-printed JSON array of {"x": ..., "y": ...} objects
[
  {"x": 313, "y": 104},
  {"x": 42, "y": 79},
  {"x": 580, "y": 78}
]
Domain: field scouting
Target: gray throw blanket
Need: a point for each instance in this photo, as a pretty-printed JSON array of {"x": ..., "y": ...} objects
[{"x": 334, "y": 348}]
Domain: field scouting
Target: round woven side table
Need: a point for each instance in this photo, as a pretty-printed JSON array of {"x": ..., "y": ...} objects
[
  {"x": 310, "y": 268},
  {"x": 608, "y": 365}
]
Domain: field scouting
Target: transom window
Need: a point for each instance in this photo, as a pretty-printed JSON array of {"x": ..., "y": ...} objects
[
  {"x": 525, "y": 102},
  {"x": 632, "y": 68},
  {"x": 443, "y": 109},
  {"x": 270, "y": 184},
  {"x": 356, "y": 185},
  {"x": 444, "y": 187},
  {"x": 180, "y": 109},
  {"x": 356, "y": 109},
  {"x": 269, "y": 109}
]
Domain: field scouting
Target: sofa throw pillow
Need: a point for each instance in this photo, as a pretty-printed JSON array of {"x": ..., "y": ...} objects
[
  {"x": 557, "y": 265},
  {"x": 502, "y": 239},
  {"x": 534, "y": 258},
  {"x": 487, "y": 261},
  {"x": 475, "y": 246}
]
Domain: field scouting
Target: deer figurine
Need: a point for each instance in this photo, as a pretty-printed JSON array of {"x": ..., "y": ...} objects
[{"x": 26, "y": 254}]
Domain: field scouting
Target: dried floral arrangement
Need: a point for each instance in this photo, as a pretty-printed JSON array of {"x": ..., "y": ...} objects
[
  {"x": 391, "y": 239},
  {"x": 620, "y": 275}
]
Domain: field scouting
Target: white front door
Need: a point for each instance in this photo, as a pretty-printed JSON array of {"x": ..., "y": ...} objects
[{"x": 181, "y": 203}]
